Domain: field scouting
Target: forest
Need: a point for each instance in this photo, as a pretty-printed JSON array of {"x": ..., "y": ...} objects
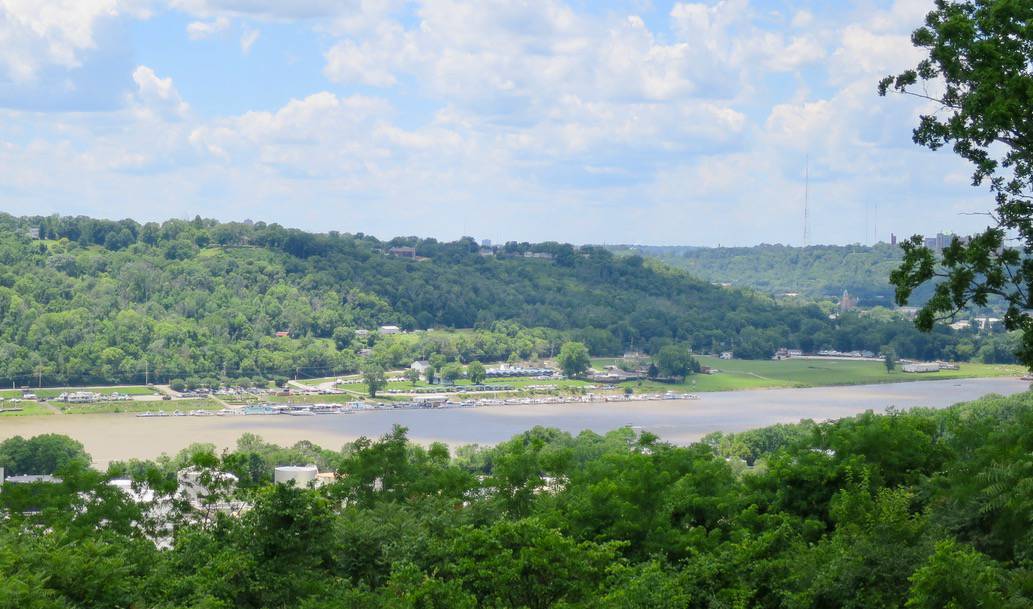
[
  {"x": 815, "y": 271},
  {"x": 101, "y": 301},
  {"x": 921, "y": 509}
]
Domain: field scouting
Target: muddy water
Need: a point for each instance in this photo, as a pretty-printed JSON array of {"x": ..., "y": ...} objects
[{"x": 122, "y": 436}]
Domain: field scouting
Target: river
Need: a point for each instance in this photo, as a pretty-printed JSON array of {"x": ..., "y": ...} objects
[{"x": 121, "y": 436}]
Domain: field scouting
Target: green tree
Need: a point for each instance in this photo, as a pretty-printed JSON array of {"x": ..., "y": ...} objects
[
  {"x": 675, "y": 361},
  {"x": 979, "y": 60},
  {"x": 476, "y": 372},
  {"x": 889, "y": 358},
  {"x": 451, "y": 372},
  {"x": 413, "y": 376},
  {"x": 375, "y": 378},
  {"x": 956, "y": 576},
  {"x": 43, "y": 454},
  {"x": 574, "y": 359}
]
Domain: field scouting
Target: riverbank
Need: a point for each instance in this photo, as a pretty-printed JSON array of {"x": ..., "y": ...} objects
[{"x": 110, "y": 437}]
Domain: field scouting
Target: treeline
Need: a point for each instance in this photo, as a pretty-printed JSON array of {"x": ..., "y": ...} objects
[
  {"x": 815, "y": 271},
  {"x": 923, "y": 509},
  {"x": 98, "y": 301}
]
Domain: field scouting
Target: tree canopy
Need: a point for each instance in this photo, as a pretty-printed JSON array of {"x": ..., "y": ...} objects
[
  {"x": 978, "y": 74},
  {"x": 573, "y": 359},
  {"x": 926, "y": 508}
]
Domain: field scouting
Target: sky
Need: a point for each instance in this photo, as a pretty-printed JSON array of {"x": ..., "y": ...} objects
[{"x": 583, "y": 121}]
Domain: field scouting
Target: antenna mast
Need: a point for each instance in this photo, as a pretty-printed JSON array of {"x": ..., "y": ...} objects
[{"x": 806, "y": 200}]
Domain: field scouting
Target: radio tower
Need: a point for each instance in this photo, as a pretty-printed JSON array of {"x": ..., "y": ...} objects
[{"x": 806, "y": 200}]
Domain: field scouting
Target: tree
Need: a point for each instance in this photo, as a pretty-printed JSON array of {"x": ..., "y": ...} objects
[
  {"x": 43, "y": 454},
  {"x": 980, "y": 61},
  {"x": 890, "y": 359},
  {"x": 374, "y": 377},
  {"x": 573, "y": 359},
  {"x": 451, "y": 372},
  {"x": 476, "y": 372},
  {"x": 413, "y": 376},
  {"x": 675, "y": 361},
  {"x": 430, "y": 373}
]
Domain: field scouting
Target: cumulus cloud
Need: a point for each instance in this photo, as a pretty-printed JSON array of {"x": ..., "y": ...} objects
[
  {"x": 154, "y": 94},
  {"x": 35, "y": 34},
  {"x": 684, "y": 111}
]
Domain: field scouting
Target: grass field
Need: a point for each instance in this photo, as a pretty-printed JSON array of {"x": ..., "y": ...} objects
[
  {"x": 130, "y": 406},
  {"x": 54, "y": 392},
  {"x": 29, "y": 409},
  {"x": 758, "y": 374}
]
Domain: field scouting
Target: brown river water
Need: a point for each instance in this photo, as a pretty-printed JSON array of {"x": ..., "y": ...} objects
[{"x": 121, "y": 436}]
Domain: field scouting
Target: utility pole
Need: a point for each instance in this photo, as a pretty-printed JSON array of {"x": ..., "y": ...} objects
[{"x": 146, "y": 372}]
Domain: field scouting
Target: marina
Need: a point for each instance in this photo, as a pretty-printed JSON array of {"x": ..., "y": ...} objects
[{"x": 110, "y": 437}]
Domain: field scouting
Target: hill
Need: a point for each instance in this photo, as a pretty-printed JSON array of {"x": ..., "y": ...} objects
[
  {"x": 105, "y": 301},
  {"x": 817, "y": 271}
]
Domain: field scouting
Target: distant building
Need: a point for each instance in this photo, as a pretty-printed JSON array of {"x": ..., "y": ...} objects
[
  {"x": 420, "y": 365},
  {"x": 942, "y": 241},
  {"x": 847, "y": 302},
  {"x": 893, "y": 239},
  {"x": 919, "y": 367},
  {"x": 485, "y": 242},
  {"x": 986, "y": 324},
  {"x": 283, "y": 334},
  {"x": 403, "y": 252},
  {"x": 32, "y": 233},
  {"x": 726, "y": 355},
  {"x": 390, "y": 330},
  {"x": 964, "y": 324}
]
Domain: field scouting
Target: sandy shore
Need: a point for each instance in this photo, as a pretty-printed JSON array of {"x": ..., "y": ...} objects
[{"x": 121, "y": 436}]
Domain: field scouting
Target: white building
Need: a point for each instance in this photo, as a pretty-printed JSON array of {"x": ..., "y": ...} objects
[
  {"x": 921, "y": 367},
  {"x": 390, "y": 330}
]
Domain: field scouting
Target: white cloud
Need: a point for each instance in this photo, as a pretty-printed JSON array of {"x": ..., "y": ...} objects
[
  {"x": 274, "y": 9},
  {"x": 34, "y": 34},
  {"x": 156, "y": 94},
  {"x": 248, "y": 40},
  {"x": 539, "y": 109},
  {"x": 802, "y": 19},
  {"x": 347, "y": 62},
  {"x": 198, "y": 30}
]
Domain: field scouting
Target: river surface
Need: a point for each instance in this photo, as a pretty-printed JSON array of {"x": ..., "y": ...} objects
[{"x": 122, "y": 436}]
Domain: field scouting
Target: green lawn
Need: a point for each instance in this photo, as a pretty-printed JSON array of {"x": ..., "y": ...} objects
[
  {"x": 29, "y": 409},
  {"x": 131, "y": 406},
  {"x": 757, "y": 374},
  {"x": 54, "y": 392}
]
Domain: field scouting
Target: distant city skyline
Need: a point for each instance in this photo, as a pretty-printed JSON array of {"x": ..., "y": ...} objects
[{"x": 664, "y": 123}]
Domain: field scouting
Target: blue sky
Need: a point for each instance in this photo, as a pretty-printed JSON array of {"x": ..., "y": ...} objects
[{"x": 631, "y": 121}]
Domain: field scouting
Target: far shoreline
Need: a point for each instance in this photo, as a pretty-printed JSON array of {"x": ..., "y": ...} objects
[{"x": 124, "y": 436}]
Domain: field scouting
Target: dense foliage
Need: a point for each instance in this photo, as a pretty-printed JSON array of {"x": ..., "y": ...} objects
[
  {"x": 978, "y": 72},
  {"x": 104, "y": 301},
  {"x": 814, "y": 272},
  {"x": 924, "y": 509}
]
